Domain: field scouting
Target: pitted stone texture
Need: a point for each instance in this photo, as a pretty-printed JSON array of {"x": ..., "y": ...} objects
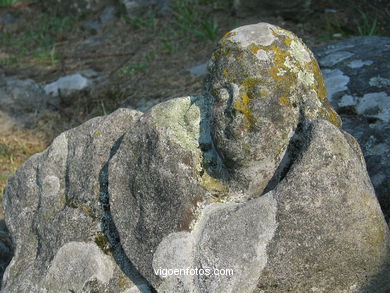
[
  {"x": 358, "y": 85},
  {"x": 264, "y": 81},
  {"x": 53, "y": 212},
  {"x": 321, "y": 221}
]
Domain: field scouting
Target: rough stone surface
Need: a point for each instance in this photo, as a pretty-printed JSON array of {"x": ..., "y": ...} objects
[
  {"x": 54, "y": 209},
  {"x": 255, "y": 177},
  {"x": 357, "y": 77},
  {"x": 22, "y": 100}
]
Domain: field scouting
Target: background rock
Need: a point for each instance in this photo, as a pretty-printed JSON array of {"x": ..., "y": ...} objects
[
  {"x": 22, "y": 100},
  {"x": 357, "y": 77},
  {"x": 68, "y": 85}
]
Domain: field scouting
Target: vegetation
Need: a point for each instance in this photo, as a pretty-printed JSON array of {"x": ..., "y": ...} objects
[
  {"x": 15, "y": 148},
  {"x": 39, "y": 40},
  {"x": 8, "y": 3}
]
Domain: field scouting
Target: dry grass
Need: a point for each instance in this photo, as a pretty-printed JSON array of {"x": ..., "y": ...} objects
[{"x": 16, "y": 146}]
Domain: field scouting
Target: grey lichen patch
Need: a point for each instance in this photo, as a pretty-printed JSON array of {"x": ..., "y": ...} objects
[
  {"x": 205, "y": 247},
  {"x": 180, "y": 119},
  {"x": 336, "y": 81},
  {"x": 184, "y": 120},
  {"x": 380, "y": 82},
  {"x": 375, "y": 105},
  {"x": 334, "y": 58},
  {"x": 245, "y": 35},
  {"x": 359, "y": 63}
]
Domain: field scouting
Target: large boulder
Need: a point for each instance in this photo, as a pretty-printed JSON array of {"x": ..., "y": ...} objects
[
  {"x": 357, "y": 77},
  {"x": 251, "y": 187}
]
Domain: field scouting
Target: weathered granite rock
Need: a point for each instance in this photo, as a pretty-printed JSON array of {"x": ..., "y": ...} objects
[
  {"x": 264, "y": 117},
  {"x": 54, "y": 209},
  {"x": 357, "y": 77},
  {"x": 251, "y": 187},
  {"x": 22, "y": 100}
]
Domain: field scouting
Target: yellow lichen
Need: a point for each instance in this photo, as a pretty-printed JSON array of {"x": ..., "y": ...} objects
[
  {"x": 229, "y": 34},
  {"x": 225, "y": 73},
  {"x": 245, "y": 146},
  {"x": 254, "y": 48},
  {"x": 284, "y": 101},
  {"x": 244, "y": 108},
  {"x": 333, "y": 117},
  {"x": 320, "y": 85},
  {"x": 220, "y": 198},
  {"x": 277, "y": 72},
  {"x": 287, "y": 41}
]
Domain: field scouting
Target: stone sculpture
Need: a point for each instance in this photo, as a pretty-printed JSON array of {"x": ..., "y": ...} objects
[{"x": 254, "y": 176}]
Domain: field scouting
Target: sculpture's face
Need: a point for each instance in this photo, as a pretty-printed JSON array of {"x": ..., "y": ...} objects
[{"x": 261, "y": 77}]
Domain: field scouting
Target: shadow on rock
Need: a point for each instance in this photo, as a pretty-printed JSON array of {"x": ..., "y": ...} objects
[{"x": 111, "y": 232}]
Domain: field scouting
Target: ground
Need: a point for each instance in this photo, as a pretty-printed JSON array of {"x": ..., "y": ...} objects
[{"x": 144, "y": 58}]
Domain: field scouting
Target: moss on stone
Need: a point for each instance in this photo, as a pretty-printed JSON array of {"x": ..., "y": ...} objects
[
  {"x": 102, "y": 242},
  {"x": 181, "y": 120}
]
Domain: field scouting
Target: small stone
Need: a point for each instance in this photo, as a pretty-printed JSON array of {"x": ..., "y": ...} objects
[
  {"x": 68, "y": 85},
  {"x": 199, "y": 70}
]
